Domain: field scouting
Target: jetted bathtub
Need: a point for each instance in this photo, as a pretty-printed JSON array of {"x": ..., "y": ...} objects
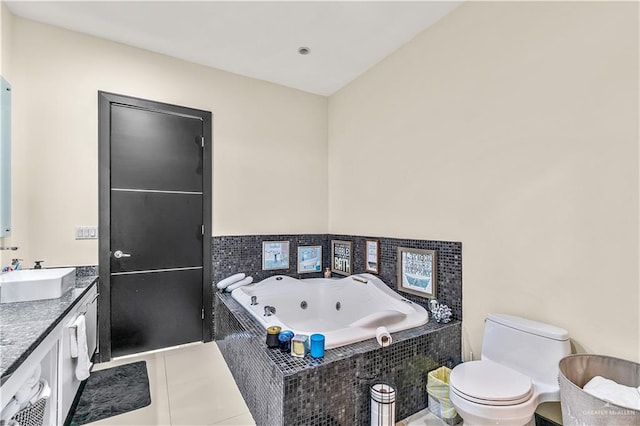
[{"x": 344, "y": 310}]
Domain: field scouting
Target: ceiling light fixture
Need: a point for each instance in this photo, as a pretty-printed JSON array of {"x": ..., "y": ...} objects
[{"x": 304, "y": 50}]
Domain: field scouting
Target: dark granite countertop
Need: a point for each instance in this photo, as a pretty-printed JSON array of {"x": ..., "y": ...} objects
[{"x": 24, "y": 325}]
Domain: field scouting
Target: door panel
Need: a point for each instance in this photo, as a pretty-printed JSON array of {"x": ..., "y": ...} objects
[
  {"x": 155, "y": 150},
  {"x": 156, "y": 218},
  {"x": 159, "y": 230},
  {"x": 155, "y": 310}
]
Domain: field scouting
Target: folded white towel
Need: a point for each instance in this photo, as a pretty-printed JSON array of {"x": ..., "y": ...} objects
[
  {"x": 618, "y": 394},
  {"x": 30, "y": 387},
  {"x": 39, "y": 390},
  {"x": 35, "y": 376},
  {"x": 230, "y": 280},
  {"x": 43, "y": 392},
  {"x": 246, "y": 281},
  {"x": 79, "y": 347},
  {"x": 73, "y": 340},
  {"x": 25, "y": 394},
  {"x": 10, "y": 410}
]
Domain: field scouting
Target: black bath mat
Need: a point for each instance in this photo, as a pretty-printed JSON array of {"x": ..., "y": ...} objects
[{"x": 111, "y": 392}]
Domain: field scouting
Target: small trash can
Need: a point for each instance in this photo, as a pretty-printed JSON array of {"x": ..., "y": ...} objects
[
  {"x": 383, "y": 405},
  {"x": 438, "y": 393},
  {"x": 582, "y": 408}
]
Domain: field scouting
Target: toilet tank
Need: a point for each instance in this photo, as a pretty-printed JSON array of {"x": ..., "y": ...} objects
[{"x": 531, "y": 347}]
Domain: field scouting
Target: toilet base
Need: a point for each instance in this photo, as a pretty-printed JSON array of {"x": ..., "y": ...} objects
[
  {"x": 531, "y": 422},
  {"x": 483, "y": 415}
]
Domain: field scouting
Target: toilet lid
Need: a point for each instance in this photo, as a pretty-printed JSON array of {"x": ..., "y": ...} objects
[{"x": 489, "y": 383}]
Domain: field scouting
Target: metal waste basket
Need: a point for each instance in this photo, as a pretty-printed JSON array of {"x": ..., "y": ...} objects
[
  {"x": 383, "y": 405},
  {"x": 582, "y": 408}
]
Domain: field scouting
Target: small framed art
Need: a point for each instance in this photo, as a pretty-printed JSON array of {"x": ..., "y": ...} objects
[
  {"x": 372, "y": 256},
  {"x": 341, "y": 257},
  {"x": 417, "y": 271},
  {"x": 309, "y": 259},
  {"x": 275, "y": 255}
]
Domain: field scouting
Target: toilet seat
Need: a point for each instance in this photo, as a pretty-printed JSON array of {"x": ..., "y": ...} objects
[{"x": 488, "y": 383}]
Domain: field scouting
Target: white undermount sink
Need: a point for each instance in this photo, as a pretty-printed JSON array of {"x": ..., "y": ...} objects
[{"x": 36, "y": 284}]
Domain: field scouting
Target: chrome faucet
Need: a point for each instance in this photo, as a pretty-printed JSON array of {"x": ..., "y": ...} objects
[
  {"x": 8, "y": 248},
  {"x": 254, "y": 300},
  {"x": 269, "y": 310}
]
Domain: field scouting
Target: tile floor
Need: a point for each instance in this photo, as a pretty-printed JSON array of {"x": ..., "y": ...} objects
[
  {"x": 192, "y": 385},
  {"x": 422, "y": 418}
]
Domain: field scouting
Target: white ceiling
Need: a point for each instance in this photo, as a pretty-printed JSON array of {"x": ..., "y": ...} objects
[{"x": 257, "y": 39}]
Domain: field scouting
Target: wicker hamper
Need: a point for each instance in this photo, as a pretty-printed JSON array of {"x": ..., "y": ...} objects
[
  {"x": 582, "y": 408},
  {"x": 33, "y": 415}
]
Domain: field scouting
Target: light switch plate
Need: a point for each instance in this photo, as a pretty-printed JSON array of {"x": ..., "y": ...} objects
[{"x": 86, "y": 233}]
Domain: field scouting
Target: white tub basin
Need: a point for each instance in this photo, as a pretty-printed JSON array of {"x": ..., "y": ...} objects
[{"x": 36, "y": 284}]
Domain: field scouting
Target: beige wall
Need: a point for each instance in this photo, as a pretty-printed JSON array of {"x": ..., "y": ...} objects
[
  {"x": 6, "y": 27},
  {"x": 270, "y": 151},
  {"x": 512, "y": 127}
]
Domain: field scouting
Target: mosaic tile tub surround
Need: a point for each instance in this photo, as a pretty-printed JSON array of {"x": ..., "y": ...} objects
[
  {"x": 232, "y": 254},
  {"x": 282, "y": 390}
]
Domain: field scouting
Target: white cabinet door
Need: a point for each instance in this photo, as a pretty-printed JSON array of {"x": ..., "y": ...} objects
[
  {"x": 69, "y": 384},
  {"x": 91, "y": 319}
]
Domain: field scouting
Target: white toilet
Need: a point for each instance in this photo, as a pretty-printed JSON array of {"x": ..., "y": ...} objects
[{"x": 518, "y": 370}]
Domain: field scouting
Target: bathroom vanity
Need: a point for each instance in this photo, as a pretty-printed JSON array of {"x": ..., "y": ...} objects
[{"x": 38, "y": 332}]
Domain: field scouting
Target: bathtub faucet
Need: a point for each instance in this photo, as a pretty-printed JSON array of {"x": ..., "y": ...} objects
[
  {"x": 254, "y": 300},
  {"x": 269, "y": 310}
]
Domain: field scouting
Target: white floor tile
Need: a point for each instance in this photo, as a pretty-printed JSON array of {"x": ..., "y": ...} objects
[
  {"x": 422, "y": 418},
  {"x": 241, "y": 420},
  {"x": 196, "y": 363},
  {"x": 204, "y": 402},
  {"x": 201, "y": 389}
]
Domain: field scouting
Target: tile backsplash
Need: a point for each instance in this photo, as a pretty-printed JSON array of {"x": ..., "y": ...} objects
[{"x": 233, "y": 254}]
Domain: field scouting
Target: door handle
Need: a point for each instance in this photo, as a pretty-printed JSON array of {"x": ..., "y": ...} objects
[{"x": 118, "y": 254}]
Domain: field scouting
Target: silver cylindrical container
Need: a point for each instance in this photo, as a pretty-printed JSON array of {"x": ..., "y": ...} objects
[{"x": 383, "y": 405}]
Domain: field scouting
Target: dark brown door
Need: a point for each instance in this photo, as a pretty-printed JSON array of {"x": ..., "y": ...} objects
[{"x": 157, "y": 217}]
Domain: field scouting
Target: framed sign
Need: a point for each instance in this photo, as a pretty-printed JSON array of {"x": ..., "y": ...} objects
[
  {"x": 372, "y": 254},
  {"x": 417, "y": 271},
  {"x": 309, "y": 259},
  {"x": 341, "y": 257},
  {"x": 275, "y": 255}
]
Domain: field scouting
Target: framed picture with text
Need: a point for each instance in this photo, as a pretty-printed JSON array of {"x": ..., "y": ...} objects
[
  {"x": 309, "y": 259},
  {"x": 372, "y": 256},
  {"x": 417, "y": 272},
  {"x": 341, "y": 258},
  {"x": 275, "y": 255}
]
